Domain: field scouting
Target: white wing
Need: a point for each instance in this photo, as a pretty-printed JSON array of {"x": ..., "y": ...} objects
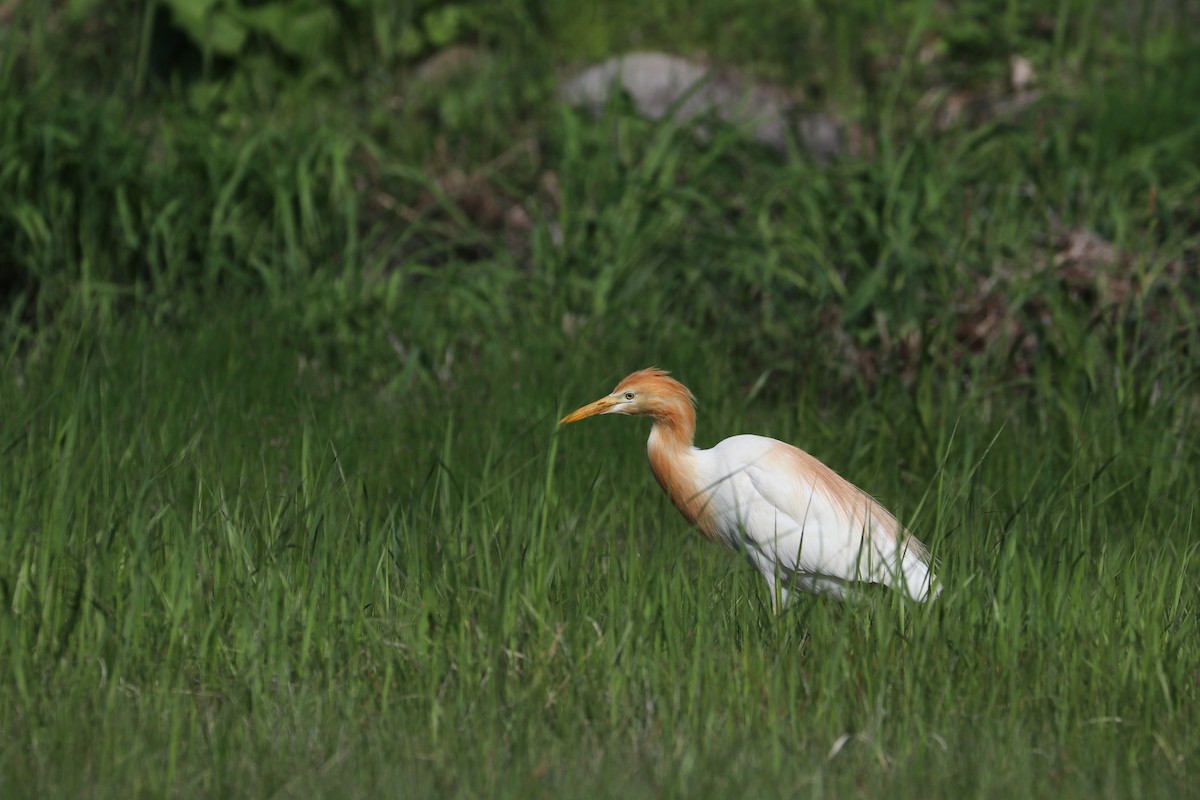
[{"x": 803, "y": 524}]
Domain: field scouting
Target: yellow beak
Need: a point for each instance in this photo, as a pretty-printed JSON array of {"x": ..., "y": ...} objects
[{"x": 590, "y": 410}]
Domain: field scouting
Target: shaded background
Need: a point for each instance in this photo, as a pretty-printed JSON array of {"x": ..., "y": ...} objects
[{"x": 1006, "y": 180}]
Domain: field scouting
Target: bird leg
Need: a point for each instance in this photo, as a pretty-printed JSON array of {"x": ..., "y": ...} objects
[{"x": 779, "y": 597}]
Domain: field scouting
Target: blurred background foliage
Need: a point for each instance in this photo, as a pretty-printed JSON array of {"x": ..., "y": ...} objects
[{"x": 358, "y": 163}]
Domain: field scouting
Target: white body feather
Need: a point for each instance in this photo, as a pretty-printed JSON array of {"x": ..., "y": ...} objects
[{"x": 802, "y": 529}]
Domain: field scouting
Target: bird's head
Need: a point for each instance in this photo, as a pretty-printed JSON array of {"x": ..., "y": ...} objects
[{"x": 647, "y": 392}]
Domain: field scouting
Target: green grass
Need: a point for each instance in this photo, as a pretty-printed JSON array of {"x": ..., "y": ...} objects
[
  {"x": 225, "y": 576},
  {"x": 284, "y": 509}
]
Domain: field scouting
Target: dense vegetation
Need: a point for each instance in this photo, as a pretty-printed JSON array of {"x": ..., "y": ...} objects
[{"x": 293, "y": 294}]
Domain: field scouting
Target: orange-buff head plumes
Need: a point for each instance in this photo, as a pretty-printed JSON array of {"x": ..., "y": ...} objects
[{"x": 650, "y": 392}]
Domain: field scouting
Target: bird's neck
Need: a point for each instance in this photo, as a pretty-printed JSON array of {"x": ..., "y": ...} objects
[
  {"x": 670, "y": 445},
  {"x": 668, "y": 441},
  {"x": 674, "y": 427},
  {"x": 675, "y": 462}
]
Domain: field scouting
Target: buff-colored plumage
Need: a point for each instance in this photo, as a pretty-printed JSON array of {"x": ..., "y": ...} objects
[{"x": 801, "y": 524}]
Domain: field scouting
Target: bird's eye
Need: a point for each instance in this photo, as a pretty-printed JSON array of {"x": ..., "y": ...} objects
[{"x": 629, "y": 395}]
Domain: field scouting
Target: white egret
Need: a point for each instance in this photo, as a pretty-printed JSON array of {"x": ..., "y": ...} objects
[{"x": 803, "y": 526}]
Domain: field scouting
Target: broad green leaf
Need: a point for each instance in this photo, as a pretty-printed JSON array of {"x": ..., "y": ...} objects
[
  {"x": 298, "y": 32},
  {"x": 76, "y": 9},
  {"x": 444, "y": 25},
  {"x": 411, "y": 42},
  {"x": 190, "y": 14},
  {"x": 225, "y": 35},
  {"x": 310, "y": 32},
  {"x": 213, "y": 30}
]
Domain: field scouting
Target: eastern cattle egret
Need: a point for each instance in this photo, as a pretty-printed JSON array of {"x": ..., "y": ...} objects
[{"x": 801, "y": 524}]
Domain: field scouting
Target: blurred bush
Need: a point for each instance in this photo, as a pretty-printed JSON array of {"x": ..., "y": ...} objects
[{"x": 178, "y": 35}]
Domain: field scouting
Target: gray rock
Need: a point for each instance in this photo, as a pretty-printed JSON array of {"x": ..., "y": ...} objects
[{"x": 662, "y": 85}]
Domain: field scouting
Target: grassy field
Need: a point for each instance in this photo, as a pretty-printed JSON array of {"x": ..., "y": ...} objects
[{"x": 284, "y": 509}]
